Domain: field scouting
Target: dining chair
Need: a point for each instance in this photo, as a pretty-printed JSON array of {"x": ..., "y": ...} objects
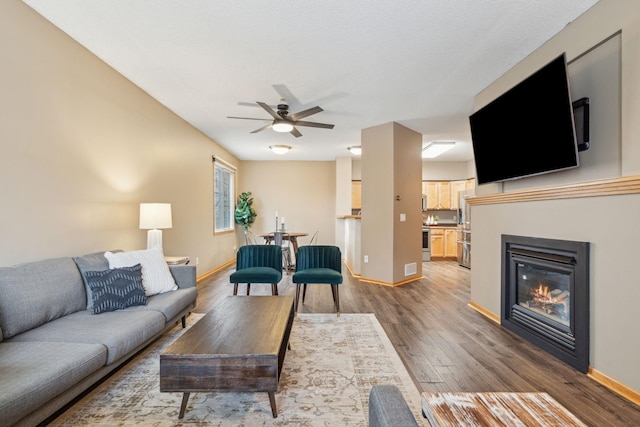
[
  {"x": 257, "y": 264},
  {"x": 279, "y": 239},
  {"x": 314, "y": 238},
  {"x": 318, "y": 264},
  {"x": 249, "y": 237}
]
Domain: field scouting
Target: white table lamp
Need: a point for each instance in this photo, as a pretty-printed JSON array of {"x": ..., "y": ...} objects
[{"x": 154, "y": 217}]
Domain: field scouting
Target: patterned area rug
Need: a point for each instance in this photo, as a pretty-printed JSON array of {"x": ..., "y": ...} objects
[{"x": 327, "y": 375}]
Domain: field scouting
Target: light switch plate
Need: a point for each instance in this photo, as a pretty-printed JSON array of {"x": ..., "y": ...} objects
[{"x": 403, "y": 217}]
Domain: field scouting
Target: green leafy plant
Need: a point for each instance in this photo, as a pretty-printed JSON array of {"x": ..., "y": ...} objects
[{"x": 245, "y": 215}]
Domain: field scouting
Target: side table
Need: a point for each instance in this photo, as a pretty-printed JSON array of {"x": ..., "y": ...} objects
[{"x": 177, "y": 260}]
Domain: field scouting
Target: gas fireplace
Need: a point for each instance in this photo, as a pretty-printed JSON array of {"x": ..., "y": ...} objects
[{"x": 545, "y": 295}]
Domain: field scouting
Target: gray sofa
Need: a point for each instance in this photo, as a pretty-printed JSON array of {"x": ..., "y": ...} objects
[
  {"x": 387, "y": 408},
  {"x": 52, "y": 348}
]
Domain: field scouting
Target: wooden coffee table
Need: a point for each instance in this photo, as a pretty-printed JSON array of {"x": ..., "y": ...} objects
[
  {"x": 496, "y": 409},
  {"x": 238, "y": 346}
]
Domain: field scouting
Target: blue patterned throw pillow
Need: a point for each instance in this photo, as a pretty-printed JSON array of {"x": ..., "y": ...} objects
[{"x": 116, "y": 289}]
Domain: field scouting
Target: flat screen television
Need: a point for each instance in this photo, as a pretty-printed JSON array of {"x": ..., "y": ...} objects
[{"x": 529, "y": 130}]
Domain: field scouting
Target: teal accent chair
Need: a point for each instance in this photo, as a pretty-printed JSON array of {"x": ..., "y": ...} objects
[
  {"x": 318, "y": 264},
  {"x": 258, "y": 264}
]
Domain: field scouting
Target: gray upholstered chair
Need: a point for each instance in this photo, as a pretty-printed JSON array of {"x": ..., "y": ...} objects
[
  {"x": 387, "y": 408},
  {"x": 318, "y": 264},
  {"x": 258, "y": 264}
]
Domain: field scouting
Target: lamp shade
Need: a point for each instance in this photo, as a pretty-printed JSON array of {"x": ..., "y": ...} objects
[{"x": 155, "y": 216}]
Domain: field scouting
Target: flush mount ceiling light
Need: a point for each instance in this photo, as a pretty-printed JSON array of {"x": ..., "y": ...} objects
[
  {"x": 356, "y": 150},
  {"x": 280, "y": 149},
  {"x": 436, "y": 148},
  {"x": 282, "y": 126}
]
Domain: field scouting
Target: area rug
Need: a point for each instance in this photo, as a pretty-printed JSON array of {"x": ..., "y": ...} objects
[{"x": 327, "y": 375}]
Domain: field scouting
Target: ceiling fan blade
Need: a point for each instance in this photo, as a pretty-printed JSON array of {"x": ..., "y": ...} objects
[
  {"x": 306, "y": 113},
  {"x": 247, "y": 118},
  {"x": 269, "y": 110},
  {"x": 314, "y": 125},
  {"x": 262, "y": 128},
  {"x": 295, "y": 132}
]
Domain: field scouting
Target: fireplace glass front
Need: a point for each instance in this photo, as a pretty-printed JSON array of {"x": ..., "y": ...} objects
[{"x": 544, "y": 292}]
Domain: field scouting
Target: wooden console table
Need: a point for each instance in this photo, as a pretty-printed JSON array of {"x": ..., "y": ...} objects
[{"x": 238, "y": 346}]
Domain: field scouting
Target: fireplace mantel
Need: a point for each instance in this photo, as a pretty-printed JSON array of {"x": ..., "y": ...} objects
[{"x": 608, "y": 187}]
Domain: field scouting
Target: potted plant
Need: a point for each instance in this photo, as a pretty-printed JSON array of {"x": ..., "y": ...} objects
[{"x": 245, "y": 215}]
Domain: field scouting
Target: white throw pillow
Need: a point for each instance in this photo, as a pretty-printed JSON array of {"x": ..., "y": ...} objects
[{"x": 156, "y": 277}]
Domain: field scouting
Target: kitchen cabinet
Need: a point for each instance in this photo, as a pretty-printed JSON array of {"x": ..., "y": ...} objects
[
  {"x": 438, "y": 195},
  {"x": 471, "y": 183},
  {"x": 443, "y": 243},
  {"x": 437, "y": 242},
  {"x": 356, "y": 195},
  {"x": 450, "y": 245},
  {"x": 456, "y": 187}
]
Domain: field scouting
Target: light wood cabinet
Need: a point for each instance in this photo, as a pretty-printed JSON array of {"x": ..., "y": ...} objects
[
  {"x": 456, "y": 187},
  {"x": 443, "y": 243},
  {"x": 450, "y": 245},
  {"x": 437, "y": 242},
  {"x": 438, "y": 194},
  {"x": 356, "y": 195},
  {"x": 471, "y": 184}
]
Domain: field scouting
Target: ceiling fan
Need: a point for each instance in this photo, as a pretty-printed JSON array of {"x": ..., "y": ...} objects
[{"x": 285, "y": 122}]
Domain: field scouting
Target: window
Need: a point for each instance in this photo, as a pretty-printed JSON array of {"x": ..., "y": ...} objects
[{"x": 223, "y": 196}]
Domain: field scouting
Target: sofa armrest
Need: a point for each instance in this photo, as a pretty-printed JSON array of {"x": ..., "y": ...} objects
[
  {"x": 184, "y": 275},
  {"x": 388, "y": 408}
]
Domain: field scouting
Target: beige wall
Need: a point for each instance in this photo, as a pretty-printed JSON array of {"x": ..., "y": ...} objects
[
  {"x": 608, "y": 223},
  {"x": 82, "y": 147},
  {"x": 303, "y": 192},
  {"x": 446, "y": 171}
]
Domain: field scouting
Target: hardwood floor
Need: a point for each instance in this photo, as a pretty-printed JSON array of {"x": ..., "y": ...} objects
[{"x": 447, "y": 346}]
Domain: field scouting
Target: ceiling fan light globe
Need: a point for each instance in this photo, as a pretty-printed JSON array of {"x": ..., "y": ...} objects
[
  {"x": 280, "y": 149},
  {"x": 282, "y": 127}
]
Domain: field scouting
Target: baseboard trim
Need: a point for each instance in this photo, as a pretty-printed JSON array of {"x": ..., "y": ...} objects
[
  {"x": 615, "y": 386},
  {"x": 354, "y": 275},
  {"x": 215, "y": 270},
  {"x": 486, "y": 313},
  {"x": 392, "y": 284}
]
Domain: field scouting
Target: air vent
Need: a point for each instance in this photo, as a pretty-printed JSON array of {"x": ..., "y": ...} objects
[{"x": 410, "y": 269}]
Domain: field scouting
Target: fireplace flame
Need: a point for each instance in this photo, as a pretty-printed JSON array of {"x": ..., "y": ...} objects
[{"x": 542, "y": 291}]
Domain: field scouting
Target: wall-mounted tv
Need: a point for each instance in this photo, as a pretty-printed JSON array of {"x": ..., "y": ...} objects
[{"x": 528, "y": 130}]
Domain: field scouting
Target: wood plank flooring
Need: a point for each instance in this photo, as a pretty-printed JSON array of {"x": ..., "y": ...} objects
[{"x": 447, "y": 346}]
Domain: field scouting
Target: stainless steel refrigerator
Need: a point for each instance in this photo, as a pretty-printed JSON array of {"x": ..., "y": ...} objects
[{"x": 463, "y": 234}]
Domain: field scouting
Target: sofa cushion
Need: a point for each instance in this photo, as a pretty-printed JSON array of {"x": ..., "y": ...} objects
[
  {"x": 156, "y": 277},
  {"x": 33, "y": 373},
  {"x": 119, "y": 331},
  {"x": 116, "y": 288},
  {"x": 387, "y": 408},
  {"x": 91, "y": 262},
  {"x": 35, "y": 293},
  {"x": 170, "y": 304}
]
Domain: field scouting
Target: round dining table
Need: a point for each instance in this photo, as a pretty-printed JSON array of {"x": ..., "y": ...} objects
[{"x": 291, "y": 236}]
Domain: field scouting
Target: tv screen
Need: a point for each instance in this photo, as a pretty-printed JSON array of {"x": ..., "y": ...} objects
[{"x": 529, "y": 130}]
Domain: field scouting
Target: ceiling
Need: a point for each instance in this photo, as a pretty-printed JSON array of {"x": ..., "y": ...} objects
[{"x": 415, "y": 62}]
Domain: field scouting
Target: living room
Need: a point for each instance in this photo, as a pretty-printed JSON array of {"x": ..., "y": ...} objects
[{"x": 87, "y": 146}]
